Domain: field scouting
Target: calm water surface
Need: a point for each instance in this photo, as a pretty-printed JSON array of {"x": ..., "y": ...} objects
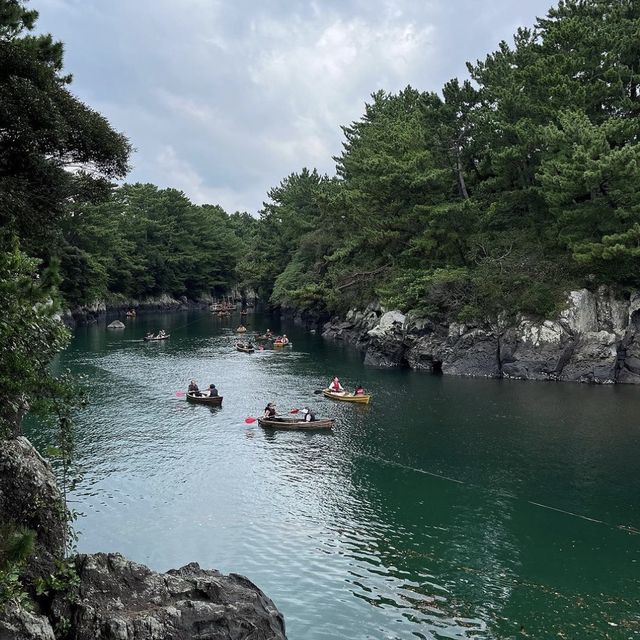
[{"x": 448, "y": 508}]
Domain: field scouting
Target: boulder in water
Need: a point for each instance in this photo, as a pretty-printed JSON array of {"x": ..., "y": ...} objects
[{"x": 116, "y": 324}]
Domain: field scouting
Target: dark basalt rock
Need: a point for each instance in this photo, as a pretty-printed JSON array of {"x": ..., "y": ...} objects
[
  {"x": 117, "y": 599},
  {"x": 122, "y": 600},
  {"x": 594, "y": 339},
  {"x": 29, "y": 497}
]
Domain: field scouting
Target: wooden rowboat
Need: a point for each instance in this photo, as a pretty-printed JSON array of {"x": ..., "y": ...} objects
[
  {"x": 279, "y": 343},
  {"x": 346, "y": 397},
  {"x": 244, "y": 348},
  {"x": 155, "y": 338},
  {"x": 216, "y": 401},
  {"x": 295, "y": 425}
]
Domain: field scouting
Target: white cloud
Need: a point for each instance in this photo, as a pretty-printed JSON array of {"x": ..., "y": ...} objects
[{"x": 223, "y": 100}]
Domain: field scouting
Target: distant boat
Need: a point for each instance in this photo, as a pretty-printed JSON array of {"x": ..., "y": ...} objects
[
  {"x": 156, "y": 338},
  {"x": 240, "y": 346},
  {"x": 241, "y": 329},
  {"x": 214, "y": 401}
]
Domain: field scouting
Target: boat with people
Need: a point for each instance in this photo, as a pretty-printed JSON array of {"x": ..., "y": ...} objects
[
  {"x": 361, "y": 398},
  {"x": 245, "y": 348},
  {"x": 198, "y": 398},
  {"x": 282, "y": 342},
  {"x": 153, "y": 338},
  {"x": 295, "y": 424},
  {"x": 241, "y": 329}
]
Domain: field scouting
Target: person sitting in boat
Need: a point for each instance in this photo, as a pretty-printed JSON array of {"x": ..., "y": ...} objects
[
  {"x": 269, "y": 411},
  {"x": 249, "y": 345},
  {"x": 149, "y": 336},
  {"x": 213, "y": 392},
  {"x": 161, "y": 333},
  {"x": 268, "y": 333},
  {"x": 359, "y": 391},
  {"x": 193, "y": 388},
  {"x": 335, "y": 385},
  {"x": 309, "y": 416},
  {"x": 284, "y": 339}
]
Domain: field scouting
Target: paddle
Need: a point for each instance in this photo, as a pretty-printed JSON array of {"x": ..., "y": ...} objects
[
  {"x": 294, "y": 411},
  {"x": 180, "y": 394},
  {"x": 250, "y": 420}
]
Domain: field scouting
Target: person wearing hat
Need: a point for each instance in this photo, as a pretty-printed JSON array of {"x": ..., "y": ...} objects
[
  {"x": 213, "y": 392},
  {"x": 269, "y": 411}
]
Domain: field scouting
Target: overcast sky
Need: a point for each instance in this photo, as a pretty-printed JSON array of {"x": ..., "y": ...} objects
[{"x": 223, "y": 99}]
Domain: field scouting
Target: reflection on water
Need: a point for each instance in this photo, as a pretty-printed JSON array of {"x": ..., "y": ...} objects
[{"x": 448, "y": 508}]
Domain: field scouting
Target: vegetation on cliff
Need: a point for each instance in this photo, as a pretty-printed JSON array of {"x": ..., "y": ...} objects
[
  {"x": 494, "y": 195},
  {"x": 54, "y": 150}
]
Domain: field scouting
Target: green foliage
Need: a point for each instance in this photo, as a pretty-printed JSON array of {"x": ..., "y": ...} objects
[
  {"x": 489, "y": 199},
  {"x": 64, "y": 580},
  {"x": 16, "y": 547},
  {"x": 146, "y": 241},
  {"x": 53, "y": 148},
  {"x": 30, "y": 335}
]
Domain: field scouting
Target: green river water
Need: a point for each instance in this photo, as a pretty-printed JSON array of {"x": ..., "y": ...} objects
[{"x": 448, "y": 508}]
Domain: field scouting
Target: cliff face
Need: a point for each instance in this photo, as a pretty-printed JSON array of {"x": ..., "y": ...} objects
[
  {"x": 90, "y": 313},
  {"x": 596, "y": 338},
  {"x": 116, "y": 599}
]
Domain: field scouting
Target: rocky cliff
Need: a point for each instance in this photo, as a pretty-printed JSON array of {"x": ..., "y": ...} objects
[
  {"x": 116, "y": 599},
  {"x": 90, "y": 313},
  {"x": 596, "y": 338}
]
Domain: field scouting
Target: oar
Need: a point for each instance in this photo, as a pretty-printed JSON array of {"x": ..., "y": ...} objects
[
  {"x": 294, "y": 411},
  {"x": 180, "y": 394},
  {"x": 250, "y": 420}
]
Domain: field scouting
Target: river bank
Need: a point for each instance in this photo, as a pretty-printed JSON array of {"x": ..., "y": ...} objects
[
  {"x": 595, "y": 339},
  {"x": 91, "y": 313}
]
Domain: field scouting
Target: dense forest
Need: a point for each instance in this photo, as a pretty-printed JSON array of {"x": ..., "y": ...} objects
[
  {"x": 489, "y": 197},
  {"x": 492, "y": 196}
]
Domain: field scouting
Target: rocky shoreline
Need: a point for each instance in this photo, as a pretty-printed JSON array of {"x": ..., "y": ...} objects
[
  {"x": 112, "y": 598},
  {"x": 595, "y": 339},
  {"x": 92, "y": 313}
]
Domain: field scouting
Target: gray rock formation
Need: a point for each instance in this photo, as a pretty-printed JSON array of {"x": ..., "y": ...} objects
[
  {"x": 16, "y": 623},
  {"x": 117, "y": 599},
  {"x": 596, "y": 339},
  {"x": 116, "y": 324},
  {"x": 29, "y": 497},
  {"x": 122, "y": 600},
  {"x": 386, "y": 341}
]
